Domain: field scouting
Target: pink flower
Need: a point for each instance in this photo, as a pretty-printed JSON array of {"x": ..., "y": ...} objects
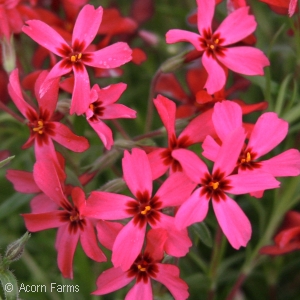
[
  {"x": 43, "y": 129},
  {"x": 72, "y": 225},
  {"x": 143, "y": 209},
  {"x": 215, "y": 185},
  {"x": 102, "y": 106},
  {"x": 216, "y": 46},
  {"x": 146, "y": 266},
  {"x": 77, "y": 55},
  {"x": 268, "y": 132},
  {"x": 161, "y": 158}
]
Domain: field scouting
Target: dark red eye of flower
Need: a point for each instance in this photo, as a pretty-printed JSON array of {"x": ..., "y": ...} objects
[
  {"x": 215, "y": 185},
  {"x": 143, "y": 268},
  {"x": 212, "y": 43},
  {"x": 72, "y": 216},
  {"x": 246, "y": 160},
  {"x": 144, "y": 209},
  {"x": 97, "y": 108}
]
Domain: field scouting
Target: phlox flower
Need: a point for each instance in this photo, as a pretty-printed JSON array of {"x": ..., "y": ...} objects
[
  {"x": 161, "y": 158},
  {"x": 102, "y": 106},
  {"x": 77, "y": 55},
  {"x": 145, "y": 268},
  {"x": 68, "y": 217},
  {"x": 43, "y": 129},
  {"x": 290, "y": 5},
  {"x": 215, "y": 186},
  {"x": 267, "y": 133},
  {"x": 218, "y": 47},
  {"x": 288, "y": 237},
  {"x": 143, "y": 209}
]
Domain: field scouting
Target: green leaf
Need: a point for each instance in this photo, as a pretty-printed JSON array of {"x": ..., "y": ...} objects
[{"x": 202, "y": 231}]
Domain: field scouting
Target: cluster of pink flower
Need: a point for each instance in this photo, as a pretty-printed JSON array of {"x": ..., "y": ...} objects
[{"x": 146, "y": 230}]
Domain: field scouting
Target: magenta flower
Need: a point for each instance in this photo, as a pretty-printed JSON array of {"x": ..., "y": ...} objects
[
  {"x": 216, "y": 46},
  {"x": 68, "y": 217},
  {"x": 102, "y": 106},
  {"x": 161, "y": 158},
  {"x": 143, "y": 209},
  {"x": 43, "y": 129},
  {"x": 146, "y": 266},
  {"x": 232, "y": 220},
  {"x": 77, "y": 55},
  {"x": 268, "y": 132}
]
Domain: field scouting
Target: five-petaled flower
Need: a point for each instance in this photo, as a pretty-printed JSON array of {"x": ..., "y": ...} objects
[
  {"x": 43, "y": 129},
  {"x": 216, "y": 46},
  {"x": 77, "y": 55},
  {"x": 143, "y": 209},
  {"x": 215, "y": 185}
]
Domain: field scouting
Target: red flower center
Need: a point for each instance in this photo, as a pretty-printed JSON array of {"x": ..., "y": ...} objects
[
  {"x": 246, "y": 160},
  {"x": 143, "y": 268},
  {"x": 212, "y": 43},
  {"x": 97, "y": 108},
  {"x": 215, "y": 185},
  {"x": 145, "y": 209}
]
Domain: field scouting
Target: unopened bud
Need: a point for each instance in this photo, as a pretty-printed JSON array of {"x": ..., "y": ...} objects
[
  {"x": 8, "y": 54},
  {"x": 16, "y": 248}
]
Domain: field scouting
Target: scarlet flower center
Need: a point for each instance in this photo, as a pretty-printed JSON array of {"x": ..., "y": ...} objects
[
  {"x": 39, "y": 127},
  {"x": 75, "y": 57},
  {"x": 143, "y": 268},
  {"x": 247, "y": 161},
  {"x": 212, "y": 43},
  {"x": 144, "y": 209},
  {"x": 97, "y": 108},
  {"x": 215, "y": 185}
]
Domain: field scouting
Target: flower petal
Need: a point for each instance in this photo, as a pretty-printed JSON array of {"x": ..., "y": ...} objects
[
  {"x": 229, "y": 151},
  {"x": 89, "y": 243},
  {"x": 244, "y": 60},
  {"x": 171, "y": 193},
  {"x": 192, "y": 165},
  {"x": 227, "y": 116},
  {"x": 268, "y": 132},
  {"x": 286, "y": 163},
  {"x": 66, "y": 245},
  {"x": 23, "y": 181},
  {"x": 193, "y": 210},
  {"x": 44, "y": 35},
  {"x": 106, "y": 206},
  {"x": 128, "y": 245},
  {"x": 112, "y": 56},
  {"x": 64, "y": 136},
  {"x": 233, "y": 222},
  {"x": 104, "y": 133},
  {"x": 241, "y": 18},
  {"x": 140, "y": 291},
  {"x": 41, "y": 221},
  {"x": 87, "y": 25},
  {"x": 157, "y": 164},
  {"x": 251, "y": 182},
  {"x": 168, "y": 275},
  {"x": 210, "y": 148},
  {"x": 111, "y": 280},
  {"x": 166, "y": 109},
  {"x": 216, "y": 75},
  {"x": 205, "y": 14},
  {"x": 137, "y": 171},
  {"x": 80, "y": 96},
  {"x": 179, "y": 35}
]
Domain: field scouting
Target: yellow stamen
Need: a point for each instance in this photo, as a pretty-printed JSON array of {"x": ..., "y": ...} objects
[
  {"x": 217, "y": 41},
  {"x": 147, "y": 208},
  {"x": 247, "y": 159},
  {"x": 92, "y": 107},
  {"x": 75, "y": 57},
  {"x": 39, "y": 128},
  {"x": 214, "y": 185},
  {"x": 74, "y": 218},
  {"x": 141, "y": 268},
  {"x": 212, "y": 47}
]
